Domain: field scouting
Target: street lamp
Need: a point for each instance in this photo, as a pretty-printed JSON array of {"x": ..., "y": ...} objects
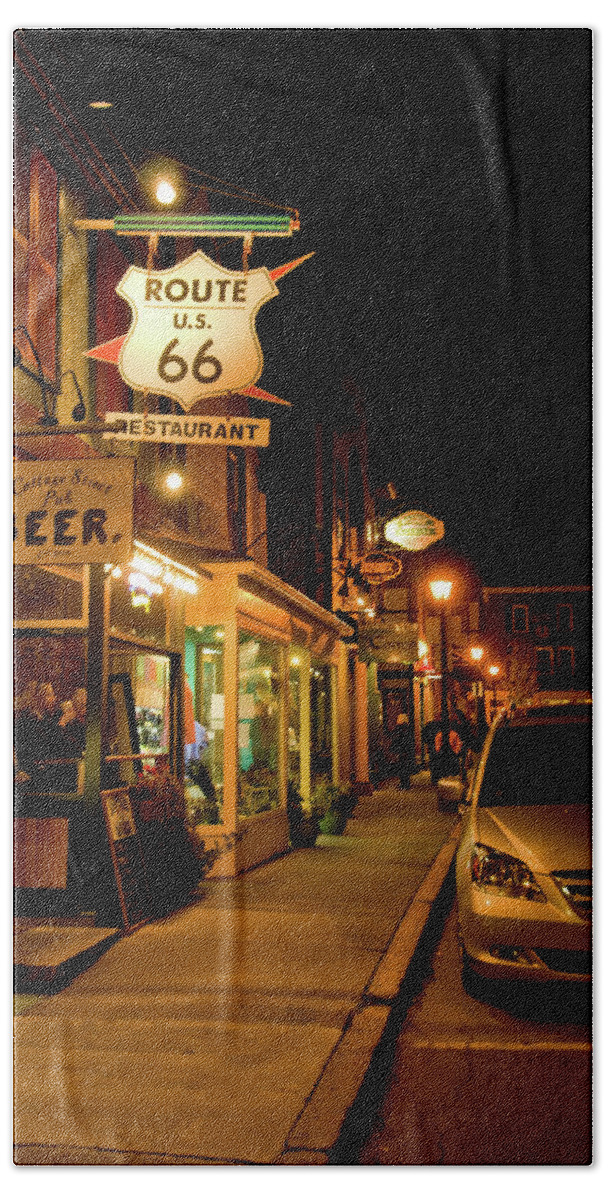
[
  {"x": 163, "y": 183},
  {"x": 441, "y": 590},
  {"x": 494, "y": 671},
  {"x": 174, "y": 481},
  {"x": 477, "y": 653}
]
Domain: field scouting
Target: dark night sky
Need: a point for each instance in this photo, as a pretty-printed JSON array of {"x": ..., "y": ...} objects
[{"x": 443, "y": 179}]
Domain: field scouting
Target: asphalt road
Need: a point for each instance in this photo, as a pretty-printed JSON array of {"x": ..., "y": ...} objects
[{"x": 498, "y": 1082}]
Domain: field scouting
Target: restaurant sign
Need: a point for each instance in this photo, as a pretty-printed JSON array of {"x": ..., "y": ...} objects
[
  {"x": 414, "y": 530},
  {"x": 197, "y": 431},
  {"x": 73, "y": 510},
  {"x": 378, "y": 567},
  {"x": 193, "y": 334}
]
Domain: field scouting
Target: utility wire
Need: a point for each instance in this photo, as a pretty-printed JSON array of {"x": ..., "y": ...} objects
[
  {"x": 59, "y": 118},
  {"x": 237, "y": 192}
]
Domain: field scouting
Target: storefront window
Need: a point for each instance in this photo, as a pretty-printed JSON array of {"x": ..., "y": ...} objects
[
  {"x": 294, "y": 723},
  {"x": 258, "y": 724},
  {"x": 321, "y": 717},
  {"x": 50, "y": 713},
  {"x": 49, "y": 594},
  {"x": 139, "y": 727},
  {"x": 204, "y": 724}
]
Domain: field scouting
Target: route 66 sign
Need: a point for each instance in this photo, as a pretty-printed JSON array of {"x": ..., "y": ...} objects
[{"x": 193, "y": 330}]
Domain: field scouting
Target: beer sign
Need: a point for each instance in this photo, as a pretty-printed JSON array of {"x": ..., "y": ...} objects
[
  {"x": 73, "y": 510},
  {"x": 193, "y": 330}
]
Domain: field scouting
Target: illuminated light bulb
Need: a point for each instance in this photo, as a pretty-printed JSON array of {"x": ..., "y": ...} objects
[
  {"x": 441, "y": 588},
  {"x": 174, "y": 481},
  {"x": 100, "y": 104},
  {"x": 165, "y": 192},
  {"x": 295, "y": 661},
  {"x": 494, "y": 670},
  {"x": 476, "y": 653},
  {"x": 138, "y": 600}
]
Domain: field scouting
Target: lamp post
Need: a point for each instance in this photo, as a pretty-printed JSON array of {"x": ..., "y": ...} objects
[
  {"x": 477, "y": 653},
  {"x": 494, "y": 672},
  {"x": 441, "y": 590}
]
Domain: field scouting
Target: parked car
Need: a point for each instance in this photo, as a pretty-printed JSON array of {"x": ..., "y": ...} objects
[{"x": 523, "y": 865}]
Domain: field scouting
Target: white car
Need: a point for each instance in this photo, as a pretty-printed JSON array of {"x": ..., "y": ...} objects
[{"x": 523, "y": 865}]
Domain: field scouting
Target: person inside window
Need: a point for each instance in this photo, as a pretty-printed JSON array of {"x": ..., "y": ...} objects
[{"x": 42, "y": 742}]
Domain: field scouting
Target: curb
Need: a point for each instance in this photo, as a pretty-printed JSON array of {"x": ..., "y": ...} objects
[{"x": 329, "y": 1123}]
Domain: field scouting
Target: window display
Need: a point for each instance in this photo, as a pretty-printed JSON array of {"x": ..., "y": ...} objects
[
  {"x": 204, "y": 724},
  {"x": 321, "y": 719},
  {"x": 258, "y": 724},
  {"x": 293, "y": 729},
  {"x": 139, "y": 713}
]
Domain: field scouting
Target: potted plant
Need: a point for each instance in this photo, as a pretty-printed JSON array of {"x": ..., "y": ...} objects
[
  {"x": 333, "y": 804},
  {"x": 303, "y": 825},
  {"x": 258, "y": 791}
]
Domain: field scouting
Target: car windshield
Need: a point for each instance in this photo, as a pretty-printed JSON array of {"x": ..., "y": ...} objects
[{"x": 538, "y": 764}]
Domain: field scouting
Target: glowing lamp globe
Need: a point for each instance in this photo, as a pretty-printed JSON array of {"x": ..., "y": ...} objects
[
  {"x": 441, "y": 588},
  {"x": 165, "y": 192},
  {"x": 174, "y": 481}
]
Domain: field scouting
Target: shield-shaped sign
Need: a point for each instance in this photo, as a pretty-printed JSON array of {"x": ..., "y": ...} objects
[{"x": 193, "y": 330}]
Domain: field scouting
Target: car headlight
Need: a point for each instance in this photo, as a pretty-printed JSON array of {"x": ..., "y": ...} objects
[{"x": 491, "y": 868}]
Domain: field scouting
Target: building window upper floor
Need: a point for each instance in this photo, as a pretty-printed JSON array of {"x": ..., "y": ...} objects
[
  {"x": 520, "y": 618},
  {"x": 544, "y": 660},
  {"x": 565, "y": 617}
]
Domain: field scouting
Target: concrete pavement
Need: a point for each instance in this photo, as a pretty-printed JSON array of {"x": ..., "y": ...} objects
[{"x": 238, "y": 1030}]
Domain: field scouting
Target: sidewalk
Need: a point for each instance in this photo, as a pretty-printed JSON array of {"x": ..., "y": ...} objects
[{"x": 239, "y": 1029}]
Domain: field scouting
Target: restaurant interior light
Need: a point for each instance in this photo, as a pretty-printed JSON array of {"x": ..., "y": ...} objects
[
  {"x": 476, "y": 653},
  {"x": 159, "y": 566}
]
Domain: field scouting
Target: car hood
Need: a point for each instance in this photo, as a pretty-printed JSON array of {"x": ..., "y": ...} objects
[{"x": 547, "y": 837}]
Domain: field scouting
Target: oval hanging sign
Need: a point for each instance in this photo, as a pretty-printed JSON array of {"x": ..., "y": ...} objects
[
  {"x": 378, "y": 567},
  {"x": 414, "y": 530}
]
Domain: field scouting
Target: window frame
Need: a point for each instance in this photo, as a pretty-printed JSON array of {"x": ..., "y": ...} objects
[
  {"x": 515, "y": 628},
  {"x": 572, "y": 664},
  {"x": 548, "y": 650},
  {"x": 570, "y": 624}
]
